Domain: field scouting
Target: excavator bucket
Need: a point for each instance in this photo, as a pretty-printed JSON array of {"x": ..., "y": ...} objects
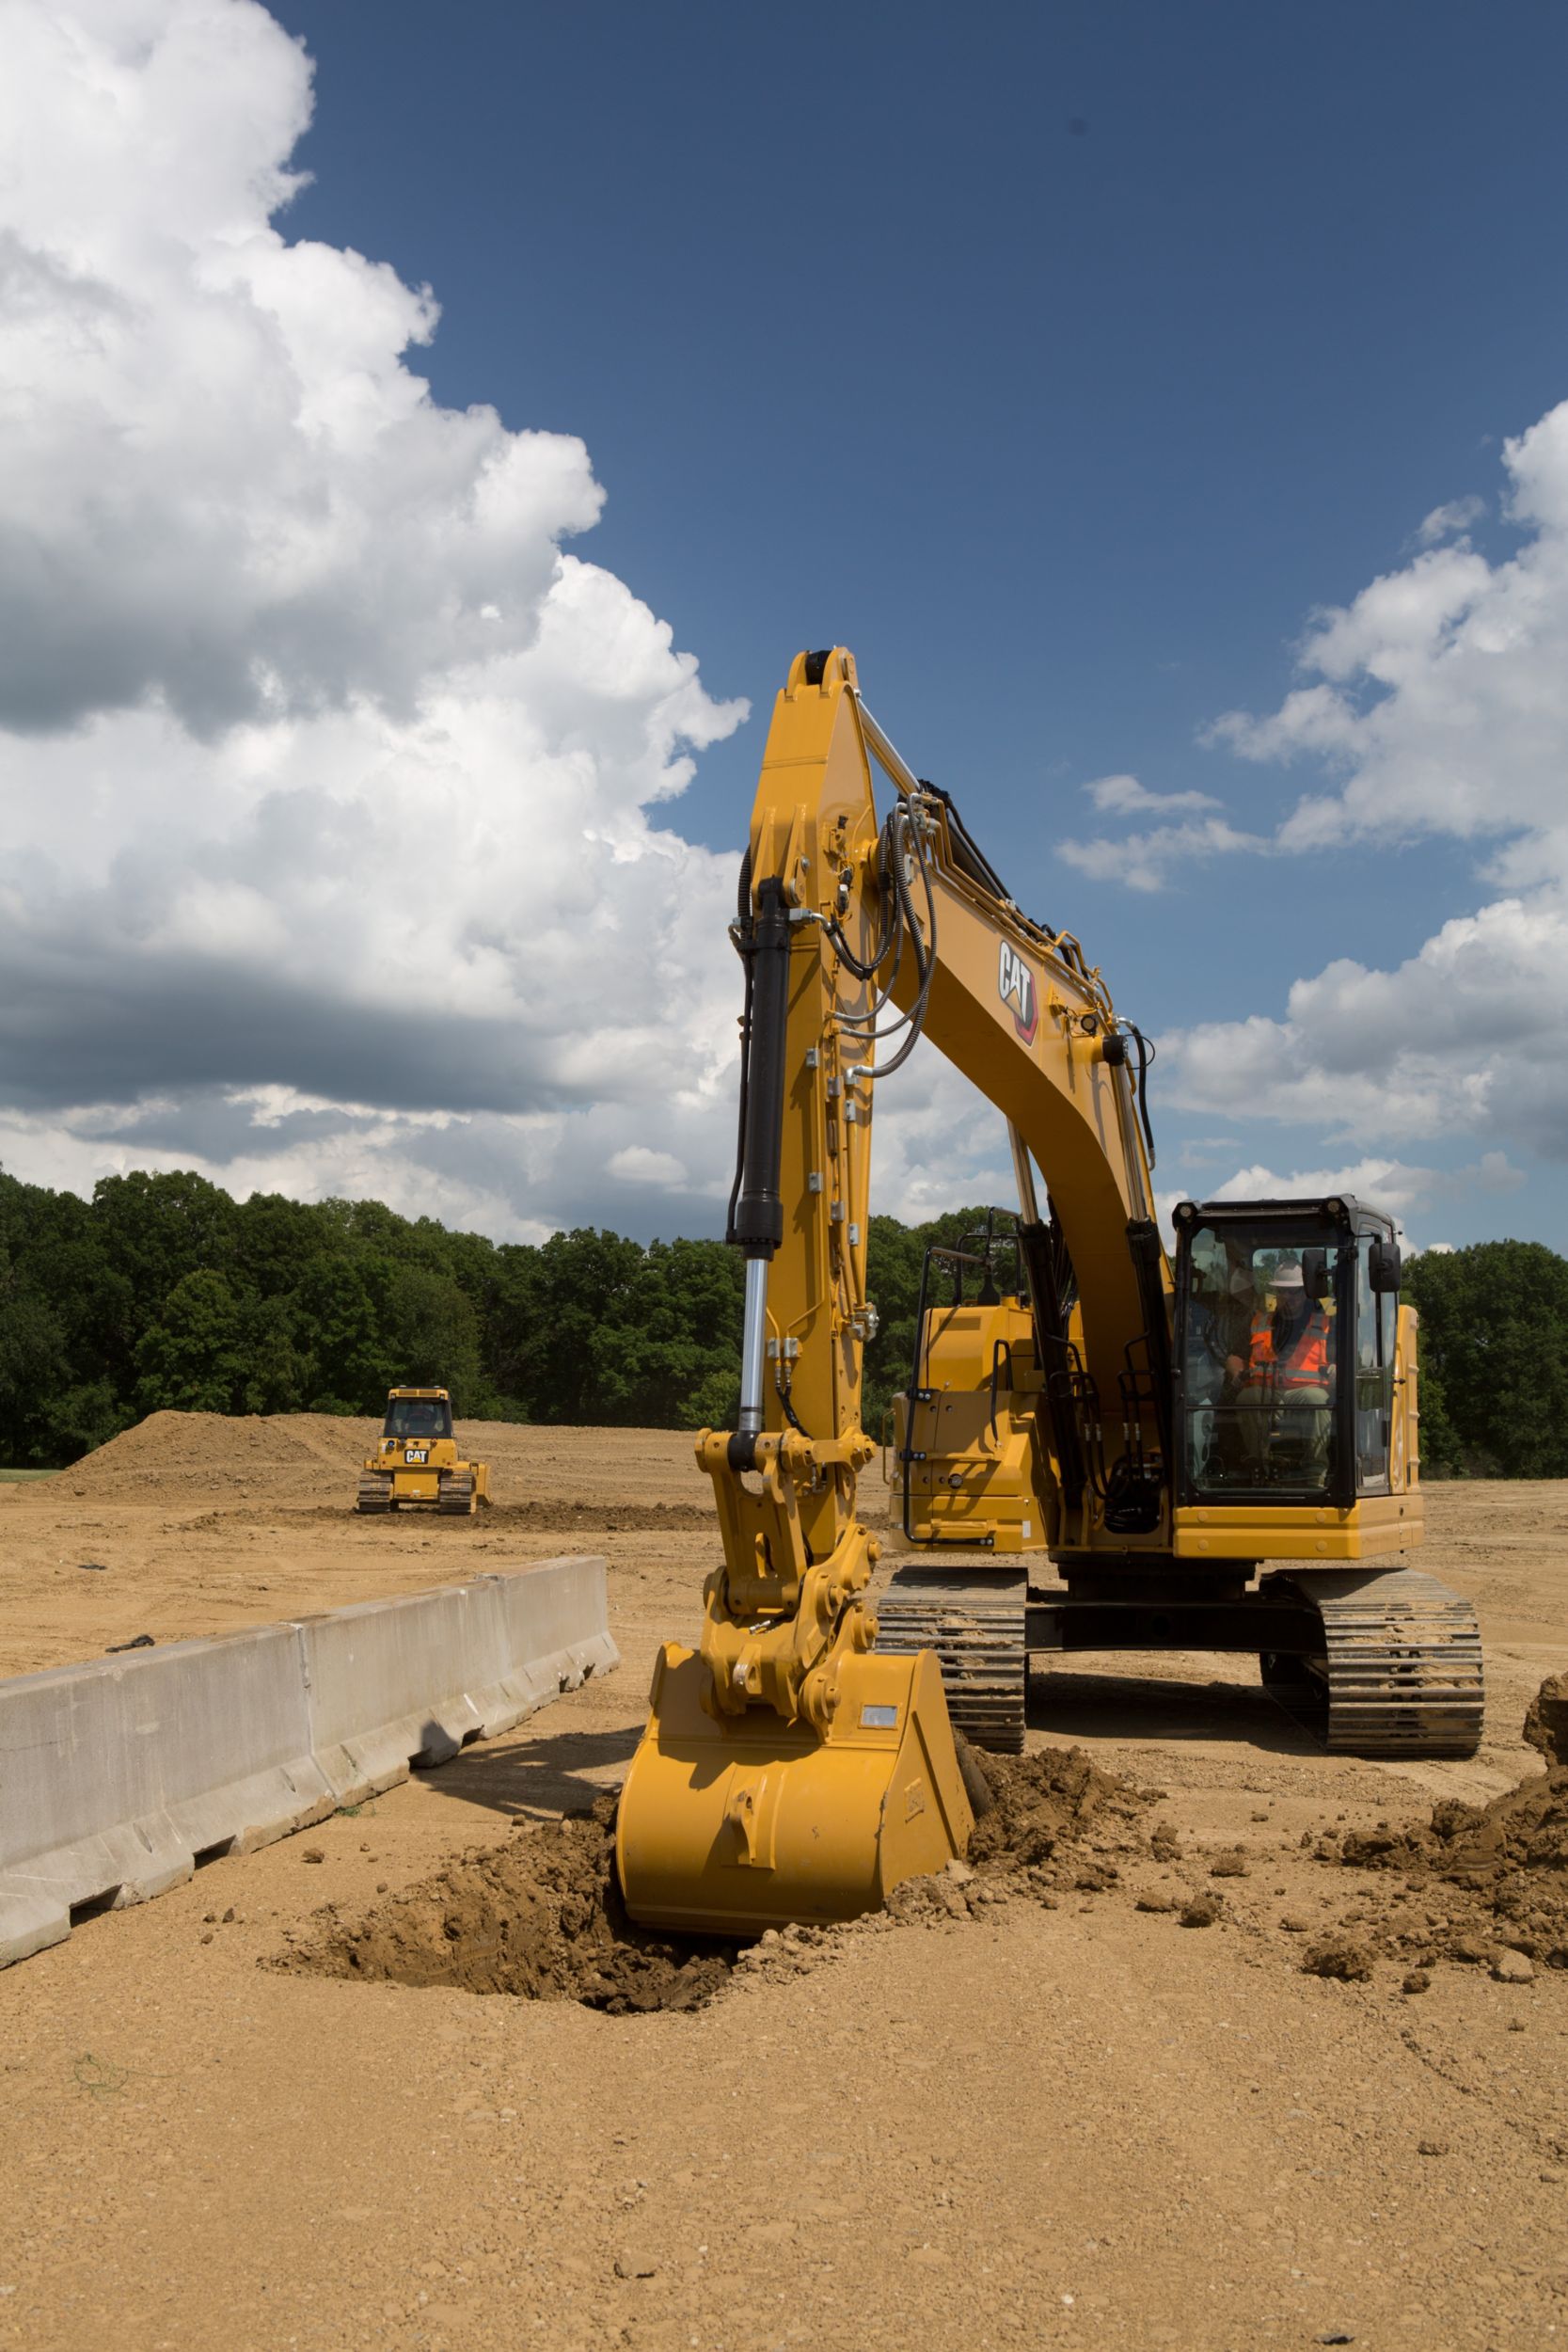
[{"x": 726, "y": 1829}]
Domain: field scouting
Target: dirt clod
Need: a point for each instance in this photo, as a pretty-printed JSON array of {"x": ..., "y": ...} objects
[
  {"x": 1340, "y": 1957},
  {"x": 1201, "y": 1913},
  {"x": 1546, "y": 1721}
]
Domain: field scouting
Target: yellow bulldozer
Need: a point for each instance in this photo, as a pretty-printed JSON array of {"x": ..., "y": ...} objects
[
  {"x": 1152, "y": 1434},
  {"x": 416, "y": 1464}
]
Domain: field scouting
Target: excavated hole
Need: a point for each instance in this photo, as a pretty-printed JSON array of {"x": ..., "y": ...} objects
[{"x": 541, "y": 1918}]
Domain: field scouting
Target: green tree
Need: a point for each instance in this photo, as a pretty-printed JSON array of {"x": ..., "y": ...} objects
[
  {"x": 192, "y": 1359},
  {"x": 433, "y": 1334},
  {"x": 347, "y": 1366},
  {"x": 1494, "y": 1356}
]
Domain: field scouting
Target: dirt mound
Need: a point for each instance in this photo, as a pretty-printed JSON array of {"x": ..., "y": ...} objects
[
  {"x": 1480, "y": 1878},
  {"x": 1054, "y": 1817},
  {"x": 542, "y": 1918},
  {"x": 275, "y": 1453}
]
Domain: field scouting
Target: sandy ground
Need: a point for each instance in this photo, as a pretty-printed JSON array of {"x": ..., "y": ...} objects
[{"x": 1081, "y": 2125}]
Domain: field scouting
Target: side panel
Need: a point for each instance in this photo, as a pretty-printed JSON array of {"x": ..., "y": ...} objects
[{"x": 1369, "y": 1531}]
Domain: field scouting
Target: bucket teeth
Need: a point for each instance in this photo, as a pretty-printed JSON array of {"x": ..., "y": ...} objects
[{"x": 1399, "y": 1673}]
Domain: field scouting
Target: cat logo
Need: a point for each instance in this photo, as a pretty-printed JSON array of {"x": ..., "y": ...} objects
[{"x": 1016, "y": 983}]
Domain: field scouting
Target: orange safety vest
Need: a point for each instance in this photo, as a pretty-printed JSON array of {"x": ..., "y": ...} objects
[{"x": 1305, "y": 1362}]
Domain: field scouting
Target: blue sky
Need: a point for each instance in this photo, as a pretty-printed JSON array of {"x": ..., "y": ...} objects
[
  {"x": 1064, "y": 361},
  {"x": 1059, "y": 359}
]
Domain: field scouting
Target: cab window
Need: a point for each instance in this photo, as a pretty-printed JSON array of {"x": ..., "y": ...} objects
[
  {"x": 1260, "y": 1357},
  {"x": 418, "y": 1417},
  {"x": 1376, "y": 1325}
]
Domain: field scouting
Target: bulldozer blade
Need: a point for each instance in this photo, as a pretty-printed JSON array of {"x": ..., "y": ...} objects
[{"x": 729, "y": 1829}]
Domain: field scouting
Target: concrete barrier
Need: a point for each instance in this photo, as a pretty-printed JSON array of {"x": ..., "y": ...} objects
[
  {"x": 399, "y": 1682},
  {"x": 117, "y": 1778}
]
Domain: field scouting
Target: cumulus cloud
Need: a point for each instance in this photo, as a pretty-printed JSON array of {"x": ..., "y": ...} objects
[
  {"x": 1124, "y": 796},
  {"x": 329, "y": 770},
  {"x": 637, "y": 1165},
  {"x": 1146, "y": 861},
  {"x": 1400, "y": 1188},
  {"x": 1435, "y": 704}
]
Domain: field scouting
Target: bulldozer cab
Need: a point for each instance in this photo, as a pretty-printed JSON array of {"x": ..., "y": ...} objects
[
  {"x": 418, "y": 1413},
  {"x": 1288, "y": 1363}
]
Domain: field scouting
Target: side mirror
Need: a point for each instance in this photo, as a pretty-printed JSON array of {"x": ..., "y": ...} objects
[
  {"x": 1316, "y": 1280},
  {"x": 1383, "y": 1266}
]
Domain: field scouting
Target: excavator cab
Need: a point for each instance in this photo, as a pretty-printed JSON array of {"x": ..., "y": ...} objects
[{"x": 1293, "y": 1389}]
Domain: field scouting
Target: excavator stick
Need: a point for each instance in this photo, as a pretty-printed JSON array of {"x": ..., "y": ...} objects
[{"x": 728, "y": 1829}]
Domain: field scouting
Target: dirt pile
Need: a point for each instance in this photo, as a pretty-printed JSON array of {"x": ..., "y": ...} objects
[
  {"x": 1055, "y": 1820},
  {"x": 281, "y": 1455},
  {"x": 1479, "y": 1880},
  {"x": 541, "y": 1918}
]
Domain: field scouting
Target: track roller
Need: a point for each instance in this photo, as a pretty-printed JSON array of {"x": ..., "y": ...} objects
[
  {"x": 1399, "y": 1673},
  {"x": 974, "y": 1622}
]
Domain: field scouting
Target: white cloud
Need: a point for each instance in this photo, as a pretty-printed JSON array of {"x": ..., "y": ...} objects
[
  {"x": 1124, "y": 796},
  {"x": 1445, "y": 699},
  {"x": 330, "y": 864},
  {"x": 1436, "y": 702},
  {"x": 637, "y": 1165},
  {"x": 1145, "y": 861},
  {"x": 1401, "y": 1189},
  {"x": 1446, "y": 522}
]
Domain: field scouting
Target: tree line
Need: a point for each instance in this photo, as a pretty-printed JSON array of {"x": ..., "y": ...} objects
[{"x": 163, "y": 1290}]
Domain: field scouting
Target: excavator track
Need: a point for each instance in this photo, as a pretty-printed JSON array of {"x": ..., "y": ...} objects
[
  {"x": 1399, "y": 1673},
  {"x": 375, "y": 1494},
  {"x": 456, "y": 1498},
  {"x": 974, "y": 1619}
]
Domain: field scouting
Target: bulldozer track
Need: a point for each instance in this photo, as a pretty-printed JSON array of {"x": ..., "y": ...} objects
[
  {"x": 976, "y": 1627},
  {"x": 1399, "y": 1673},
  {"x": 376, "y": 1495},
  {"x": 456, "y": 1498}
]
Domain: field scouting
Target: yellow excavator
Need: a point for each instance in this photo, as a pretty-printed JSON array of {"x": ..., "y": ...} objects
[
  {"x": 1152, "y": 1432},
  {"x": 416, "y": 1464}
]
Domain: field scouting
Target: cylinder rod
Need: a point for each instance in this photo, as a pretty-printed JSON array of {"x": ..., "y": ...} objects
[
  {"x": 753, "y": 1347},
  {"x": 1028, "y": 1207}
]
